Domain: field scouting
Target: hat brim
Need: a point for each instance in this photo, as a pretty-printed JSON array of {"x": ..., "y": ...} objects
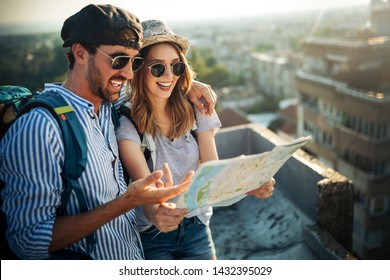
[{"x": 182, "y": 42}]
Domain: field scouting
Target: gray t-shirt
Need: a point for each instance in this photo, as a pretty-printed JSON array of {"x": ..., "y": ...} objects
[{"x": 181, "y": 154}]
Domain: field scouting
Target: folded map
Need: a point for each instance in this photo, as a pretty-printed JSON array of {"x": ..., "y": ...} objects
[{"x": 224, "y": 182}]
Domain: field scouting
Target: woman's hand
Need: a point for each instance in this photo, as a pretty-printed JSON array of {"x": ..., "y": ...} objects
[
  {"x": 264, "y": 191},
  {"x": 165, "y": 216}
]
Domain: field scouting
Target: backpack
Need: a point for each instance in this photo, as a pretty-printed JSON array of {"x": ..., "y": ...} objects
[
  {"x": 17, "y": 100},
  {"x": 12, "y": 98}
]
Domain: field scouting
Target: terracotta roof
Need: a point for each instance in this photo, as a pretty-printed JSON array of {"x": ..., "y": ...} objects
[
  {"x": 289, "y": 117},
  {"x": 232, "y": 117}
]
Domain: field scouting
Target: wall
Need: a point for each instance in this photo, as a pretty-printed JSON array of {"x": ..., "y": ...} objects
[{"x": 320, "y": 195}]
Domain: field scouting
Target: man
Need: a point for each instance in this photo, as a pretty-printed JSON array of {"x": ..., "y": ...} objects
[{"x": 104, "y": 41}]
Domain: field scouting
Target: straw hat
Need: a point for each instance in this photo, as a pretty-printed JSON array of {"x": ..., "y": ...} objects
[{"x": 156, "y": 31}]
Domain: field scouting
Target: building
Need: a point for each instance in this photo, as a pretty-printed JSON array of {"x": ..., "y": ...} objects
[
  {"x": 344, "y": 89},
  {"x": 380, "y": 16},
  {"x": 274, "y": 75}
]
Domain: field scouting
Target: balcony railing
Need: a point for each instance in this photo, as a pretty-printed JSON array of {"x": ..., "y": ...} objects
[{"x": 343, "y": 87}]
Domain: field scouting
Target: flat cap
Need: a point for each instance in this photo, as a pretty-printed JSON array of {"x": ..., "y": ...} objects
[{"x": 102, "y": 25}]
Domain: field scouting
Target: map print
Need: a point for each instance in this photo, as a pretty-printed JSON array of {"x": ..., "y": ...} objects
[{"x": 224, "y": 182}]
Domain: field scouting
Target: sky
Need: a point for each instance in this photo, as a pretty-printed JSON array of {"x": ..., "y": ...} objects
[{"x": 38, "y": 11}]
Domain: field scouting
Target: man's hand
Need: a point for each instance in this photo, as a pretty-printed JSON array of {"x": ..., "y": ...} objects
[
  {"x": 144, "y": 191},
  {"x": 68, "y": 229},
  {"x": 199, "y": 90},
  {"x": 265, "y": 191},
  {"x": 165, "y": 216}
]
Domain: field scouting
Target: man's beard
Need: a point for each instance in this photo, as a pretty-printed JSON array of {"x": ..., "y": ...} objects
[{"x": 95, "y": 82}]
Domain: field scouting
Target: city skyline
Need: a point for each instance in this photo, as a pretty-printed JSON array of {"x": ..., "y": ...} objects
[{"x": 25, "y": 11}]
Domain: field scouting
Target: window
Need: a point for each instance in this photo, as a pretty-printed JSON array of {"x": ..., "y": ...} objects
[
  {"x": 359, "y": 197},
  {"x": 374, "y": 239},
  {"x": 365, "y": 126},
  {"x": 378, "y": 205},
  {"x": 326, "y": 139}
]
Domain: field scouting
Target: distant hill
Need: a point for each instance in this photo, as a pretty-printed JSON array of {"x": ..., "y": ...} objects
[
  {"x": 29, "y": 28},
  {"x": 31, "y": 60}
]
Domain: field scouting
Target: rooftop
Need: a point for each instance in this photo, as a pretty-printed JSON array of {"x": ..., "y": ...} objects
[
  {"x": 302, "y": 220},
  {"x": 351, "y": 44}
]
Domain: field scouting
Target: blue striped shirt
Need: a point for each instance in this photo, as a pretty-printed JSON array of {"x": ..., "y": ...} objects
[{"x": 31, "y": 159}]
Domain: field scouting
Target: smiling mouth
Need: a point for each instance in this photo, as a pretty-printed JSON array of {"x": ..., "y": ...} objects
[
  {"x": 164, "y": 85},
  {"x": 116, "y": 83}
]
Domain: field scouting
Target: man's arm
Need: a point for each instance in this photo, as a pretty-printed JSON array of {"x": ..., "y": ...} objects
[
  {"x": 70, "y": 229},
  {"x": 32, "y": 191},
  {"x": 201, "y": 90}
]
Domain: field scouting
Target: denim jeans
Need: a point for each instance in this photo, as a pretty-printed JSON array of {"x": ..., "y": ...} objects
[{"x": 190, "y": 241}]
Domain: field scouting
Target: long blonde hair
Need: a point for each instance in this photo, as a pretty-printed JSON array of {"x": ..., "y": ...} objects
[{"x": 182, "y": 112}]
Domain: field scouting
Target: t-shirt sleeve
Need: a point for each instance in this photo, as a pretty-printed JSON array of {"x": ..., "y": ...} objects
[
  {"x": 205, "y": 122},
  {"x": 127, "y": 130}
]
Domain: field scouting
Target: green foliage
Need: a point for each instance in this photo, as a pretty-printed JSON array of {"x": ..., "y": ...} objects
[
  {"x": 296, "y": 42},
  {"x": 275, "y": 125},
  {"x": 264, "y": 47},
  {"x": 208, "y": 70},
  {"x": 330, "y": 32},
  {"x": 267, "y": 104},
  {"x": 31, "y": 60}
]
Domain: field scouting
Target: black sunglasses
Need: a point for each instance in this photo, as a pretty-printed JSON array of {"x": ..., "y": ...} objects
[
  {"x": 121, "y": 61},
  {"x": 158, "y": 69}
]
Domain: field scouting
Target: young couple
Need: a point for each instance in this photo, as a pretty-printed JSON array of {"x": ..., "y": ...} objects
[{"x": 108, "y": 48}]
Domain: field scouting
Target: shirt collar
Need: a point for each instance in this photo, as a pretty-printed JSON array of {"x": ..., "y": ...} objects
[{"x": 72, "y": 96}]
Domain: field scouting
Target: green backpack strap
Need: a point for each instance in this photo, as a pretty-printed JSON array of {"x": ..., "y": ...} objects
[{"x": 75, "y": 146}]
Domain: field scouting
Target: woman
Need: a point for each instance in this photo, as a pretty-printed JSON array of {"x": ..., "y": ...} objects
[{"x": 160, "y": 108}]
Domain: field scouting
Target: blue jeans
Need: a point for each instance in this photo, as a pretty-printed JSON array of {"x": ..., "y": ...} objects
[{"x": 190, "y": 241}]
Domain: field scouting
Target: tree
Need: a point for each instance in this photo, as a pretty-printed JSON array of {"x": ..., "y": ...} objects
[
  {"x": 208, "y": 69},
  {"x": 31, "y": 60}
]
